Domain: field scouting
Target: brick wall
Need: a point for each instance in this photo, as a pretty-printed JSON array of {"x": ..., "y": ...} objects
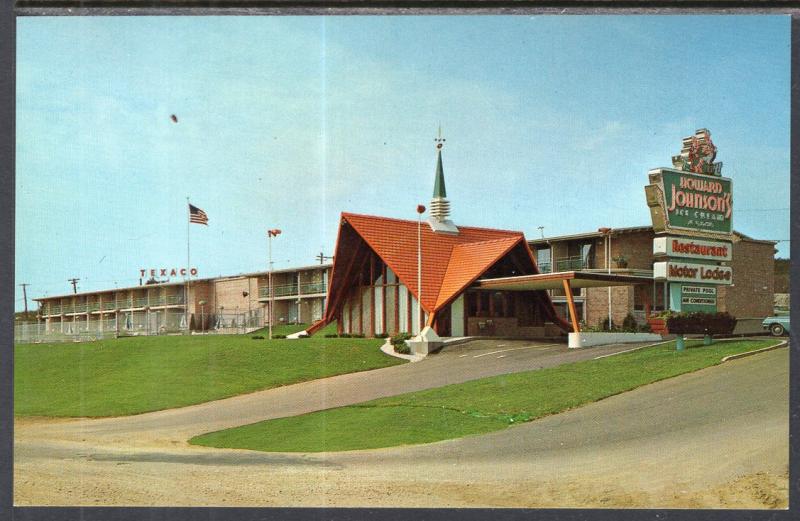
[
  {"x": 229, "y": 294},
  {"x": 751, "y": 295},
  {"x": 597, "y": 304},
  {"x": 636, "y": 247}
]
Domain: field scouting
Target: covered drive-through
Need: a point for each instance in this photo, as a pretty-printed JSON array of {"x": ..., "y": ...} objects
[{"x": 568, "y": 280}]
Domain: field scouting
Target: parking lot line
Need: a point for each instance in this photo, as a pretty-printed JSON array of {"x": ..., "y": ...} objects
[{"x": 514, "y": 349}]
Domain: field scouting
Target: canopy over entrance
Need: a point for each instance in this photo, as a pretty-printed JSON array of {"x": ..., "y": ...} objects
[
  {"x": 566, "y": 280},
  {"x": 577, "y": 279}
]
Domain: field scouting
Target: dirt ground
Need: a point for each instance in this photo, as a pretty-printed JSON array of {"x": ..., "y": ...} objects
[{"x": 717, "y": 438}]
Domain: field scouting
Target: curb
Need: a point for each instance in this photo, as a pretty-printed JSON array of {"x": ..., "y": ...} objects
[
  {"x": 749, "y": 353},
  {"x": 387, "y": 349}
]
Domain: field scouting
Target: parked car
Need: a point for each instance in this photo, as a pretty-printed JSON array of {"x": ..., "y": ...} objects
[{"x": 777, "y": 326}]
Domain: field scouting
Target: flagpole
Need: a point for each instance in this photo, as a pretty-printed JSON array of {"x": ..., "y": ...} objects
[{"x": 188, "y": 263}]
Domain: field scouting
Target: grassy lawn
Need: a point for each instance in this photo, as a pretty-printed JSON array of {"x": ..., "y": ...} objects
[
  {"x": 140, "y": 374},
  {"x": 288, "y": 329},
  {"x": 280, "y": 329},
  {"x": 474, "y": 407}
]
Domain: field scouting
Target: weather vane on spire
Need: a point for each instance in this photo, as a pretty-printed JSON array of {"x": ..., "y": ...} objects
[{"x": 440, "y": 140}]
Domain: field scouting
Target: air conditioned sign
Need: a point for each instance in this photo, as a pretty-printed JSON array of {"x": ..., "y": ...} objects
[
  {"x": 698, "y": 298},
  {"x": 676, "y": 271},
  {"x": 689, "y": 248}
]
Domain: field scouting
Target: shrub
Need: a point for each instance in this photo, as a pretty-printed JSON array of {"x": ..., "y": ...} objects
[
  {"x": 701, "y": 323},
  {"x": 402, "y": 348},
  {"x": 604, "y": 325},
  {"x": 645, "y": 328},
  {"x": 345, "y": 335},
  {"x": 358, "y": 335},
  {"x": 400, "y": 339},
  {"x": 382, "y": 335},
  {"x": 257, "y": 337},
  {"x": 331, "y": 335},
  {"x": 278, "y": 336},
  {"x": 629, "y": 324}
]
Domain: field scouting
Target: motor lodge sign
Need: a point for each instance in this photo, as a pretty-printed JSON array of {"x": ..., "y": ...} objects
[{"x": 676, "y": 271}]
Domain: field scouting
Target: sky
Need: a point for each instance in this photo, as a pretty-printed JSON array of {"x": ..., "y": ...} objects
[{"x": 285, "y": 122}]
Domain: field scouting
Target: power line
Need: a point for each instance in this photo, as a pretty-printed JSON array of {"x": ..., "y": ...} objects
[{"x": 761, "y": 209}]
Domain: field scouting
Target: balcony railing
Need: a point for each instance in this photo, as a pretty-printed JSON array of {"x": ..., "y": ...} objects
[
  {"x": 313, "y": 287},
  {"x": 54, "y": 310},
  {"x": 280, "y": 290},
  {"x": 80, "y": 308},
  {"x": 572, "y": 264},
  {"x": 545, "y": 267},
  {"x": 109, "y": 305},
  {"x": 175, "y": 299},
  {"x": 158, "y": 301},
  {"x": 94, "y": 306}
]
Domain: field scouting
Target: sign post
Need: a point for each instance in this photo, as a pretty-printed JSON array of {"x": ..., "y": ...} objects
[{"x": 691, "y": 206}]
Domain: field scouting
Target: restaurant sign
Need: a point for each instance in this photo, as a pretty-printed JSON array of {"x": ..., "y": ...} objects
[
  {"x": 690, "y": 248},
  {"x": 676, "y": 271}
]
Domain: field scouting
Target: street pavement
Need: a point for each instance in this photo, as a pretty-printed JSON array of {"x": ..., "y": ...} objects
[{"x": 678, "y": 442}]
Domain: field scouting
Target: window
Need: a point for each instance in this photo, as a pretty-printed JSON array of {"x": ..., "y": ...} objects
[
  {"x": 587, "y": 255},
  {"x": 472, "y": 304},
  {"x": 483, "y": 303},
  {"x": 490, "y": 304},
  {"x": 649, "y": 293},
  {"x": 544, "y": 259}
]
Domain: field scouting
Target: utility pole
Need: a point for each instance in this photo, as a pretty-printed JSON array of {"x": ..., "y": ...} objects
[
  {"x": 25, "y": 296},
  {"x": 420, "y": 211},
  {"x": 322, "y": 258},
  {"x": 74, "y": 285},
  {"x": 270, "y": 234}
]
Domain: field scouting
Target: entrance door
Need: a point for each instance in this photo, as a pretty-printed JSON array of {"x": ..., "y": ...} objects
[{"x": 443, "y": 322}]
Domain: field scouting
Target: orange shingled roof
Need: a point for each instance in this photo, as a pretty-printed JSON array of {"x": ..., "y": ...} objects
[
  {"x": 449, "y": 262},
  {"x": 468, "y": 261}
]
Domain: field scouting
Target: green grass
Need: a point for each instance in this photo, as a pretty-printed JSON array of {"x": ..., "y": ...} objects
[
  {"x": 288, "y": 329},
  {"x": 280, "y": 329},
  {"x": 475, "y": 407},
  {"x": 140, "y": 374}
]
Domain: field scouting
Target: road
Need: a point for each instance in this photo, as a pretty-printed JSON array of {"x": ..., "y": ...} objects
[{"x": 714, "y": 438}]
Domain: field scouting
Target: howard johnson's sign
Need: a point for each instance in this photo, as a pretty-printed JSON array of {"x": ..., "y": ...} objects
[
  {"x": 683, "y": 202},
  {"x": 691, "y": 206}
]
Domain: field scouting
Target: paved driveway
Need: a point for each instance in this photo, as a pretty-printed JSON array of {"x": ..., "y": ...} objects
[
  {"x": 453, "y": 364},
  {"x": 714, "y": 438}
]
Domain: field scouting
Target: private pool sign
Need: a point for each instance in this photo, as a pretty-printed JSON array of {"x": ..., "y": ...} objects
[{"x": 691, "y": 206}]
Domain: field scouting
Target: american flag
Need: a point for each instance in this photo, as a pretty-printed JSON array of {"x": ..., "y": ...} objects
[{"x": 197, "y": 216}]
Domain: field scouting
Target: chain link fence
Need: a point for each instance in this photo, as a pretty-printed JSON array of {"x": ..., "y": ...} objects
[{"x": 162, "y": 322}]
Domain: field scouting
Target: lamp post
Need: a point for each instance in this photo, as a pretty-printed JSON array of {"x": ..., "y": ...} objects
[
  {"x": 270, "y": 234},
  {"x": 246, "y": 294},
  {"x": 202, "y": 315},
  {"x": 420, "y": 211},
  {"x": 607, "y": 233}
]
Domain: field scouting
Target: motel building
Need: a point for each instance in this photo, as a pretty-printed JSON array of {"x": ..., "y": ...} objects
[
  {"x": 631, "y": 253},
  {"x": 394, "y": 275},
  {"x": 223, "y": 304}
]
